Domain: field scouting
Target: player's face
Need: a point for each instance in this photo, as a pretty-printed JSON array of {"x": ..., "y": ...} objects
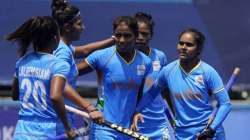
[
  {"x": 187, "y": 47},
  {"x": 125, "y": 38},
  {"x": 144, "y": 36},
  {"x": 76, "y": 29}
]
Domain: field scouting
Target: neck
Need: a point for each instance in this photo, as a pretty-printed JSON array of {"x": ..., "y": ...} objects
[
  {"x": 189, "y": 65},
  {"x": 45, "y": 50},
  {"x": 128, "y": 56},
  {"x": 145, "y": 50}
]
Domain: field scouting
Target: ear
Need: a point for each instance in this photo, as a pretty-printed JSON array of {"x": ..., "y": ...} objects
[{"x": 67, "y": 27}]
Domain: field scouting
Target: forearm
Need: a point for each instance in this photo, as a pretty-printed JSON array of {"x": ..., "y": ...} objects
[
  {"x": 223, "y": 109},
  {"x": 85, "y": 50},
  {"x": 60, "y": 111},
  {"x": 83, "y": 68},
  {"x": 74, "y": 96}
]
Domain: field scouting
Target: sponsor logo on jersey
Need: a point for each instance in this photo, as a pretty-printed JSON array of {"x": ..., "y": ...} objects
[
  {"x": 199, "y": 80},
  {"x": 141, "y": 69},
  {"x": 156, "y": 65}
]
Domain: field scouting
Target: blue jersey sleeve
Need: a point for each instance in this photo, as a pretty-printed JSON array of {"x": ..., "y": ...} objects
[
  {"x": 94, "y": 59},
  {"x": 60, "y": 68},
  {"x": 64, "y": 53},
  {"x": 223, "y": 109},
  {"x": 214, "y": 81},
  {"x": 216, "y": 85}
]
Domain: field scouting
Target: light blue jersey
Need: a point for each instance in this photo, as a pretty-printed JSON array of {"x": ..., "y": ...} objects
[
  {"x": 155, "y": 125},
  {"x": 191, "y": 95},
  {"x": 66, "y": 53},
  {"x": 34, "y": 72},
  {"x": 120, "y": 83}
]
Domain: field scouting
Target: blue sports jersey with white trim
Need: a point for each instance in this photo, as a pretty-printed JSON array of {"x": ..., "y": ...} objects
[
  {"x": 155, "y": 119},
  {"x": 191, "y": 95},
  {"x": 120, "y": 82},
  {"x": 191, "y": 92},
  {"x": 34, "y": 72},
  {"x": 66, "y": 53}
]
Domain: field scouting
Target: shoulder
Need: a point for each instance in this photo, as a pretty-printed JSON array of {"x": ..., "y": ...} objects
[
  {"x": 160, "y": 55},
  {"x": 158, "y": 52},
  {"x": 207, "y": 68},
  {"x": 143, "y": 57},
  {"x": 172, "y": 64},
  {"x": 24, "y": 58},
  {"x": 57, "y": 63}
]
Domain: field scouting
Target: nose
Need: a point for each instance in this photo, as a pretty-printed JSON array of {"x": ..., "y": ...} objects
[
  {"x": 183, "y": 46},
  {"x": 122, "y": 39}
]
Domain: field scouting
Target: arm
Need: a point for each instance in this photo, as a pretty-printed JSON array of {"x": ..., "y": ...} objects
[
  {"x": 85, "y": 50},
  {"x": 224, "y": 107},
  {"x": 57, "y": 86},
  {"x": 71, "y": 94},
  {"x": 15, "y": 89},
  {"x": 169, "y": 110},
  {"x": 84, "y": 68}
]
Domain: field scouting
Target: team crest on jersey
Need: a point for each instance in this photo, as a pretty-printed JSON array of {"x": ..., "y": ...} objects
[
  {"x": 156, "y": 65},
  {"x": 141, "y": 69},
  {"x": 199, "y": 79}
]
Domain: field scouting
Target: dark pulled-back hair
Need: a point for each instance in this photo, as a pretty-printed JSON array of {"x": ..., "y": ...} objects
[
  {"x": 145, "y": 18},
  {"x": 198, "y": 36},
  {"x": 63, "y": 12},
  {"x": 129, "y": 21},
  {"x": 37, "y": 31}
]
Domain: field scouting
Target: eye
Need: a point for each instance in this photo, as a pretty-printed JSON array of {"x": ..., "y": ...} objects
[
  {"x": 128, "y": 35},
  {"x": 189, "y": 44},
  {"x": 145, "y": 34},
  {"x": 118, "y": 35},
  {"x": 186, "y": 43},
  {"x": 181, "y": 43}
]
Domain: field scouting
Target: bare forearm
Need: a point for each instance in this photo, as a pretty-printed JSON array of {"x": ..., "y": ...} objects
[
  {"x": 60, "y": 111},
  {"x": 57, "y": 86},
  {"x": 83, "y": 68},
  {"x": 74, "y": 96}
]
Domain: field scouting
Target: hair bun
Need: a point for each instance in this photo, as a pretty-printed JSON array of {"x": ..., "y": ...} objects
[
  {"x": 143, "y": 15},
  {"x": 59, "y": 5}
]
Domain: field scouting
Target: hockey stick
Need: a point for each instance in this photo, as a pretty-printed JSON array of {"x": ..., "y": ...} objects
[{"x": 116, "y": 127}]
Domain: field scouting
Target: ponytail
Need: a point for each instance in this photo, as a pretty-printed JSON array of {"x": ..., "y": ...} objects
[{"x": 38, "y": 31}]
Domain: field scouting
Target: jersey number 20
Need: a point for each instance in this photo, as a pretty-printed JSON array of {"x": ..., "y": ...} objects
[{"x": 33, "y": 89}]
